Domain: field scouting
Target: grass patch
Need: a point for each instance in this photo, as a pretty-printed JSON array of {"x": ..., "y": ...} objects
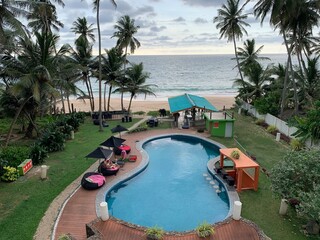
[{"x": 24, "y": 202}]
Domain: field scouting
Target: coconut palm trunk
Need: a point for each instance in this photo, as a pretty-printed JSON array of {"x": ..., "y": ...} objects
[{"x": 100, "y": 70}]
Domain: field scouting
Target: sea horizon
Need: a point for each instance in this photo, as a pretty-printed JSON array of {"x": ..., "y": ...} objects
[{"x": 197, "y": 74}]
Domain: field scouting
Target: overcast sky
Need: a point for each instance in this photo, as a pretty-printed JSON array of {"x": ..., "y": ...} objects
[{"x": 168, "y": 26}]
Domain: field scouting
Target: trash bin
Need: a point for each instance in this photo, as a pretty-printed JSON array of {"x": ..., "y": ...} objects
[
  {"x": 122, "y": 119},
  {"x": 130, "y": 119}
]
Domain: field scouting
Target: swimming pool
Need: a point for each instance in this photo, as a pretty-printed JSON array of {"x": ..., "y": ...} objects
[{"x": 174, "y": 192}]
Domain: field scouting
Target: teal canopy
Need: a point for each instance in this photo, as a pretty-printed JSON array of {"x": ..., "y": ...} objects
[{"x": 188, "y": 101}]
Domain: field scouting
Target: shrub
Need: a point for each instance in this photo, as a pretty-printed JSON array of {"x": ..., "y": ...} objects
[
  {"x": 14, "y": 155},
  {"x": 155, "y": 233},
  {"x": 52, "y": 140},
  {"x": 37, "y": 153},
  {"x": 204, "y": 230},
  {"x": 74, "y": 121},
  {"x": 81, "y": 116},
  {"x": 259, "y": 122},
  {"x": 11, "y": 174},
  {"x": 296, "y": 144},
  {"x": 271, "y": 129}
]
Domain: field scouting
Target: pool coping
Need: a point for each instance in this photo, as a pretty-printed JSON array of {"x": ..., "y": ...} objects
[{"x": 231, "y": 192}]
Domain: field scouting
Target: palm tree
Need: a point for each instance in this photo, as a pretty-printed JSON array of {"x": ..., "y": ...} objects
[
  {"x": 310, "y": 83},
  {"x": 135, "y": 83},
  {"x": 81, "y": 27},
  {"x": 249, "y": 54},
  {"x": 83, "y": 52},
  {"x": 34, "y": 70},
  {"x": 231, "y": 23},
  {"x": 9, "y": 11},
  {"x": 254, "y": 86},
  {"x": 96, "y": 4},
  {"x": 289, "y": 16},
  {"x": 111, "y": 69},
  {"x": 125, "y": 31},
  {"x": 43, "y": 17}
]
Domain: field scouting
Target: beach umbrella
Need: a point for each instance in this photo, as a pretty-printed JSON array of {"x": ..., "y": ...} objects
[
  {"x": 100, "y": 152},
  {"x": 113, "y": 142},
  {"x": 118, "y": 129}
]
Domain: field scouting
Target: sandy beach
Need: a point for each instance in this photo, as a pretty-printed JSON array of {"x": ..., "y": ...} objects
[{"x": 148, "y": 105}]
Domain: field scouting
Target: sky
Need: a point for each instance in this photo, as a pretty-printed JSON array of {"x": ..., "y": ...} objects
[{"x": 168, "y": 27}]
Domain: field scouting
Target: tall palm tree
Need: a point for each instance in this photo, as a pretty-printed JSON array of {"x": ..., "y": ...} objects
[
  {"x": 112, "y": 69},
  {"x": 230, "y": 21},
  {"x": 83, "y": 52},
  {"x": 289, "y": 16},
  {"x": 83, "y": 29},
  {"x": 43, "y": 17},
  {"x": 249, "y": 54},
  {"x": 96, "y": 4},
  {"x": 135, "y": 83},
  {"x": 125, "y": 31}
]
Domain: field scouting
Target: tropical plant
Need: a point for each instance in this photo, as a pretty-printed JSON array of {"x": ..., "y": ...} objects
[
  {"x": 309, "y": 125},
  {"x": 43, "y": 17},
  {"x": 34, "y": 69},
  {"x": 112, "y": 63},
  {"x": 11, "y": 174},
  {"x": 249, "y": 54},
  {"x": 83, "y": 52},
  {"x": 37, "y": 153},
  {"x": 205, "y": 230},
  {"x": 125, "y": 31},
  {"x": 14, "y": 155},
  {"x": 235, "y": 154},
  {"x": 296, "y": 144},
  {"x": 271, "y": 129},
  {"x": 135, "y": 83},
  {"x": 96, "y": 4},
  {"x": 231, "y": 23},
  {"x": 9, "y": 23},
  {"x": 253, "y": 87},
  {"x": 154, "y": 233}
]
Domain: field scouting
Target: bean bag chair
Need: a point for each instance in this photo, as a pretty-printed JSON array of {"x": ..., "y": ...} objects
[
  {"x": 108, "y": 171},
  {"x": 92, "y": 180}
]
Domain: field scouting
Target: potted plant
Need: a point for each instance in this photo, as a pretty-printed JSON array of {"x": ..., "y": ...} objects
[
  {"x": 235, "y": 154},
  {"x": 205, "y": 230},
  {"x": 154, "y": 233}
]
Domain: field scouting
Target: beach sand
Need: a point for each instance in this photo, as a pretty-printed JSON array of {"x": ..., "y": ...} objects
[{"x": 147, "y": 105}]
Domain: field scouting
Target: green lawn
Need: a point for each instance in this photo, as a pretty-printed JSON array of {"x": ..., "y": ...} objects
[
  {"x": 262, "y": 206},
  {"x": 24, "y": 202}
]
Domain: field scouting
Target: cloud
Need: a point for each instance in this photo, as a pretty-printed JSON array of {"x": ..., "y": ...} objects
[
  {"x": 204, "y": 3},
  {"x": 179, "y": 19},
  {"x": 200, "y": 21},
  {"x": 158, "y": 29}
]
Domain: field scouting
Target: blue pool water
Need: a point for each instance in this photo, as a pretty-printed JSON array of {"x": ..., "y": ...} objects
[{"x": 171, "y": 192}]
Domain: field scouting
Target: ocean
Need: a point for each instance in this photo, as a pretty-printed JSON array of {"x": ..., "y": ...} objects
[{"x": 203, "y": 75}]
